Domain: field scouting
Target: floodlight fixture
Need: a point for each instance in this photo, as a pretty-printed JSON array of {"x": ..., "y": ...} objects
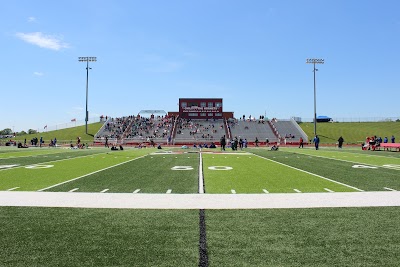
[
  {"x": 315, "y": 61},
  {"x": 87, "y": 60}
]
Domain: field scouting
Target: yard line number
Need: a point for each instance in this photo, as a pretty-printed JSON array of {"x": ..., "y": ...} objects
[{"x": 213, "y": 168}]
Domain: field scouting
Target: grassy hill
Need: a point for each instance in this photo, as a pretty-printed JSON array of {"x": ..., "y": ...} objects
[
  {"x": 65, "y": 135},
  {"x": 352, "y": 132}
]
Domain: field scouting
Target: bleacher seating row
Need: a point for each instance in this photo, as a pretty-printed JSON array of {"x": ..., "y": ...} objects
[{"x": 174, "y": 131}]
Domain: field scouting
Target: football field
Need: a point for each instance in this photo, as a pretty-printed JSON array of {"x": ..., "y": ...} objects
[{"x": 45, "y": 236}]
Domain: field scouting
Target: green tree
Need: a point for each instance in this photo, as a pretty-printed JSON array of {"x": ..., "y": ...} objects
[
  {"x": 31, "y": 131},
  {"x": 6, "y": 131}
]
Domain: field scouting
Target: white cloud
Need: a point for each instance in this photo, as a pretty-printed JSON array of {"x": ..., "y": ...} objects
[
  {"x": 31, "y": 19},
  {"x": 37, "y": 73},
  {"x": 42, "y": 40}
]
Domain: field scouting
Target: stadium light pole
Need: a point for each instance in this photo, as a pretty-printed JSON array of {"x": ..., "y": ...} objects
[
  {"x": 87, "y": 60},
  {"x": 315, "y": 61}
]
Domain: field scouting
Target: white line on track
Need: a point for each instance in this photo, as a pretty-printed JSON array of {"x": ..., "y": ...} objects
[
  {"x": 316, "y": 175},
  {"x": 73, "y": 190},
  {"x": 297, "y": 190},
  {"x": 169, "y": 191},
  {"x": 233, "y": 191},
  {"x": 105, "y": 190},
  {"x": 390, "y": 189},
  {"x": 136, "y": 191},
  {"x": 43, "y": 189},
  {"x": 327, "y": 189},
  {"x": 265, "y": 191},
  {"x": 11, "y": 189}
]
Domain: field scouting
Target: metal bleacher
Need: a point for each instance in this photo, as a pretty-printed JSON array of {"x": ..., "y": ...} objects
[
  {"x": 251, "y": 129},
  {"x": 289, "y": 130},
  {"x": 199, "y": 131},
  {"x": 144, "y": 130}
]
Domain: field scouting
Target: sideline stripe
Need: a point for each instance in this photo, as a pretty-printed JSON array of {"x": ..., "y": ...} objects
[
  {"x": 390, "y": 189},
  {"x": 11, "y": 189},
  {"x": 265, "y": 191},
  {"x": 73, "y": 190},
  {"x": 316, "y": 175},
  {"x": 105, "y": 190},
  {"x": 327, "y": 189},
  {"x": 199, "y": 201},
  {"x": 203, "y": 257},
  {"x": 201, "y": 178},
  {"x": 43, "y": 189},
  {"x": 136, "y": 191}
]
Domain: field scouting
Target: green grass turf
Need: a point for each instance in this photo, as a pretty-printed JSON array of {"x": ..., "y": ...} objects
[
  {"x": 335, "y": 168},
  {"x": 352, "y": 132},
  {"x": 28, "y": 179},
  {"x": 252, "y": 174},
  {"x": 357, "y": 156},
  {"x": 98, "y": 237},
  {"x": 42, "y": 156},
  {"x": 262, "y": 237},
  {"x": 151, "y": 174},
  {"x": 304, "y": 237}
]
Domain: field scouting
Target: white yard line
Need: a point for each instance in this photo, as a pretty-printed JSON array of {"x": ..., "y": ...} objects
[
  {"x": 43, "y": 189},
  {"x": 73, "y": 190},
  {"x": 296, "y": 190},
  {"x": 11, "y": 189},
  {"x": 349, "y": 161},
  {"x": 390, "y": 189},
  {"x": 58, "y": 160},
  {"x": 201, "y": 181},
  {"x": 199, "y": 201},
  {"x": 316, "y": 175},
  {"x": 265, "y": 191},
  {"x": 327, "y": 189},
  {"x": 105, "y": 190}
]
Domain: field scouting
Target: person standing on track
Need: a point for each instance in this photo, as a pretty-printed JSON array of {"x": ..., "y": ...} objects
[
  {"x": 316, "y": 142},
  {"x": 340, "y": 142},
  {"x": 301, "y": 142},
  {"x": 223, "y": 143},
  {"x": 106, "y": 144}
]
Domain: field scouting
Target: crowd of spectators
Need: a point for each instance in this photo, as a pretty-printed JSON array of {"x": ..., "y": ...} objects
[
  {"x": 198, "y": 129},
  {"x": 152, "y": 128},
  {"x": 115, "y": 127}
]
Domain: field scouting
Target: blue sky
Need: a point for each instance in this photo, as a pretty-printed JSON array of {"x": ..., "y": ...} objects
[{"x": 151, "y": 53}]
